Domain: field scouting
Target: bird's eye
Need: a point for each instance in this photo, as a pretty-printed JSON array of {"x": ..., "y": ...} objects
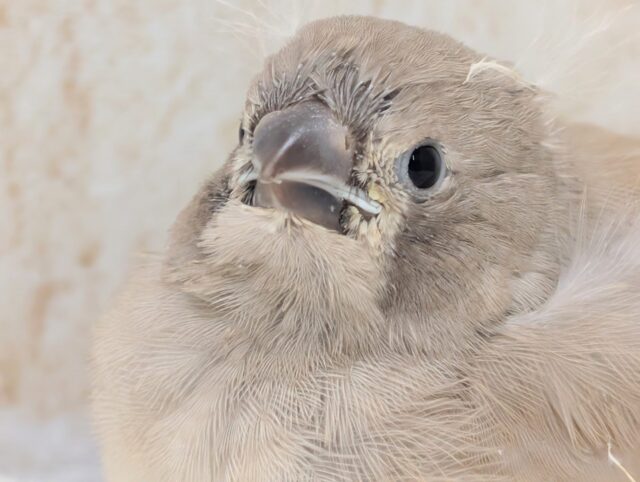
[
  {"x": 424, "y": 166},
  {"x": 421, "y": 168},
  {"x": 241, "y": 133}
]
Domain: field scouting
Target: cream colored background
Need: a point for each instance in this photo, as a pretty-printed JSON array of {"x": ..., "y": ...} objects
[{"x": 113, "y": 111}]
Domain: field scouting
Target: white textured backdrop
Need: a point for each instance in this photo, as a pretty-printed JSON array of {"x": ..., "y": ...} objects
[{"x": 113, "y": 111}]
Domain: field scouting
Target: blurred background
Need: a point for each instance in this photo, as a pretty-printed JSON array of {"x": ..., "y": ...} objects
[{"x": 112, "y": 112}]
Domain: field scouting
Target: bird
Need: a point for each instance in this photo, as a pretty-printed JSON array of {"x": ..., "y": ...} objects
[{"x": 409, "y": 268}]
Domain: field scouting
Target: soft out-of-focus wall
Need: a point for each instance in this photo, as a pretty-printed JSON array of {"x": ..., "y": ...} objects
[{"x": 113, "y": 111}]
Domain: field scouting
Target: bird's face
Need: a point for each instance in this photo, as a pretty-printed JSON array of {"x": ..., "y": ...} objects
[{"x": 376, "y": 180}]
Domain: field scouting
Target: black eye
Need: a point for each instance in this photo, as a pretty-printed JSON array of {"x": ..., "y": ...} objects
[
  {"x": 424, "y": 167},
  {"x": 421, "y": 168},
  {"x": 241, "y": 134}
]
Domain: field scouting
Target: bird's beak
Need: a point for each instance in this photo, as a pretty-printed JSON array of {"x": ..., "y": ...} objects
[{"x": 302, "y": 160}]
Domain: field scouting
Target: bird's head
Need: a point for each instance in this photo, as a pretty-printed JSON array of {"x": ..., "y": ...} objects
[{"x": 377, "y": 191}]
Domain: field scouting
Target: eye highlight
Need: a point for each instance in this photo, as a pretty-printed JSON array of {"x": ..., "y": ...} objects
[{"x": 422, "y": 168}]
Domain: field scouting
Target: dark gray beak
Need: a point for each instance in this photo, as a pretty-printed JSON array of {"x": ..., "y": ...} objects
[{"x": 303, "y": 160}]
